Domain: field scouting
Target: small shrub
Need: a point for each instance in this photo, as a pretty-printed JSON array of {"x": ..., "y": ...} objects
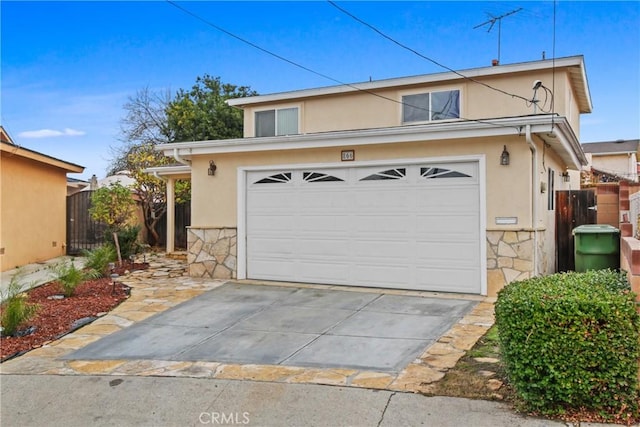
[
  {"x": 98, "y": 259},
  {"x": 15, "y": 308},
  {"x": 571, "y": 341},
  {"x": 70, "y": 277},
  {"x": 127, "y": 239}
]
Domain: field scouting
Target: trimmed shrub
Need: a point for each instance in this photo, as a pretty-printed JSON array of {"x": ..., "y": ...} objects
[{"x": 571, "y": 340}]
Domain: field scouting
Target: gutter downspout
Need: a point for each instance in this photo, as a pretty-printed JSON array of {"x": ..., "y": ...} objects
[
  {"x": 179, "y": 158},
  {"x": 534, "y": 197},
  {"x": 161, "y": 178}
]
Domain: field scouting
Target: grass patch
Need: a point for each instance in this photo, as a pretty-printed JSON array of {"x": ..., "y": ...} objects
[{"x": 479, "y": 374}]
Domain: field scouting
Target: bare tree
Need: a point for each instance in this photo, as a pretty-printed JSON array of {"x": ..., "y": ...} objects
[{"x": 144, "y": 123}]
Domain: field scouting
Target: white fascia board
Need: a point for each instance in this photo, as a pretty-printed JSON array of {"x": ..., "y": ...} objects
[
  {"x": 413, "y": 80},
  {"x": 559, "y": 134},
  {"x": 168, "y": 170},
  {"x": 613, "y": 153},
  {"x": 429, "y": 132}
]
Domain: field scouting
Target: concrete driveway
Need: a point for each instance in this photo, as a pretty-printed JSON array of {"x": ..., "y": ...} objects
[{"x": 289, "y": 326}]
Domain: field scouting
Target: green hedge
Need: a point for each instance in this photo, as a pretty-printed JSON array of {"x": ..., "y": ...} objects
[{"x": 571, "y": 340}]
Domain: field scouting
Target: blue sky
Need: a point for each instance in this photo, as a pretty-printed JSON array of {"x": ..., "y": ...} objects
[{"x": 68, "y": 67}]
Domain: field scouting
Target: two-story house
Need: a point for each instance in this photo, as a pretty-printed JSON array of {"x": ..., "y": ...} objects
[{"x": 442, "y": 182}]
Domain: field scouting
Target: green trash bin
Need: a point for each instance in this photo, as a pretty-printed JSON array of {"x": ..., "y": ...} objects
[{"x": 596, "y": 247}]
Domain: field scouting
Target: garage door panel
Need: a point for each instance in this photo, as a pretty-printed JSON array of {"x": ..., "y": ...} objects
[
  {"x": 382, "y": 250},
  {"x": 446, "y": 251},
  {"x": 317, "y": 271},
  {"x": 326, "y": 199},
  {"x": 384, "y": 225},
  {"x": 391, "y": 276},
  {"x": 448, "y": 222},
  {"x": 408, "y": 227},
  {"x": 271, "y": 223},
  {"x": 308, "y": 247},
  {"x": 323, "y": 223},
  {"x": 395, "y": 199},
  {"x": 272, "y": 199},
  {"x": 271, "y": 247},
  {"x": 447, "y": 199},
  {"x": 270, "y": 270},
  {"x": 448, "y": 279}
]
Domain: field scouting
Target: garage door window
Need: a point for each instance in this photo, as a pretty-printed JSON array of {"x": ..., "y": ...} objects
[
  {"x": 275, "y": 179},
  {"x": 319, "y": 177},
  {"x": 386, "y": 175},
  {"x": 431, "y": 173}
]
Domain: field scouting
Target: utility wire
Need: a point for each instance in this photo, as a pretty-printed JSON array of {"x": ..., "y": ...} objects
[
  {"x": 433, "y": 61},
  {"x": 295, "y": 64}
]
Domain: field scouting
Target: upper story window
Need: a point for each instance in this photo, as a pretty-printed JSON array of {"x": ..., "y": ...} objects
[
  {"x": 430, "y": 106},
  {"x": 283, "y": 121}
]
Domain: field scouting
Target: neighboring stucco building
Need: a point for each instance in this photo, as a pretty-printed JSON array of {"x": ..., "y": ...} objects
[
  {"x": 614, "y": 159},
  {"x": 33, "y": 204},
  {"x": 434, "y": 182}
]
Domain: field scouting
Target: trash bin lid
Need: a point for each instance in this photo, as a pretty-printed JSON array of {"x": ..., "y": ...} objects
[{"x": 595, "y": 229}]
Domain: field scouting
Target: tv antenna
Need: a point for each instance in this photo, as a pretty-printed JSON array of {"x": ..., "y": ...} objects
[{"x": 491, "y": 22}]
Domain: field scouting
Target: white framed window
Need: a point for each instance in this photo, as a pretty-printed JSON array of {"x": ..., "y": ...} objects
[
  {"x": 277, "y": 122},
  {"x": 431, "y": 106}
]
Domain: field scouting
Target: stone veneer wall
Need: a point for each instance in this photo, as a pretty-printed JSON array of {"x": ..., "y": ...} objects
[
  {"x": 509, "y": 258},
  {"x": 212, "y": 252}
]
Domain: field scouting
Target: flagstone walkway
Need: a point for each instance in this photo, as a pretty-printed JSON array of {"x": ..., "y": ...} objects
[{"x": 165, "y": 284}]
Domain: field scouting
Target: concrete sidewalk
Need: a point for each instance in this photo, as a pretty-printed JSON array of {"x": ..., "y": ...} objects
[
  {"x": 35, "y": 274},
  {"x": 36, "y": 400}
]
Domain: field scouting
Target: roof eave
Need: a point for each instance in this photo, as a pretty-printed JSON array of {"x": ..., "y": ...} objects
[
  {"x": 548, "y": 127},
  {"x": 15, "y": 150},
  {"x": 568, "y": 62}
]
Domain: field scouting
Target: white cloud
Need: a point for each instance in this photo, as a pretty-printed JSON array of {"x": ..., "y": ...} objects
[{"x": 50, "y": 133}]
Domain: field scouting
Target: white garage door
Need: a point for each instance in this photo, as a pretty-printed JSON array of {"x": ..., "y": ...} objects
[{"x": 414, "y": 226}]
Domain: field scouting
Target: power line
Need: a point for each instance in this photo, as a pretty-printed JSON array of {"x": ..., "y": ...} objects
[
  {"x": 295, "y": 64},
  {"x": 433, "y": 61}
]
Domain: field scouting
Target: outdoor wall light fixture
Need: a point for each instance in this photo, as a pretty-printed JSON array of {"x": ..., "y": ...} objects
[
  {"x": 212, "y": 168},
  {"x": 565, "y": 176},
  {"x": 504, "y": 157}
]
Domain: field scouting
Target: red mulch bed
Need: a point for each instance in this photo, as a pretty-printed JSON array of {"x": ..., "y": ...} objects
[{"x": 55, "y": 317}]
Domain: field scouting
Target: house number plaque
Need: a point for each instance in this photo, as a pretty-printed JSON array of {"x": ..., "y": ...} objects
[{"x": 348, "y": 155}]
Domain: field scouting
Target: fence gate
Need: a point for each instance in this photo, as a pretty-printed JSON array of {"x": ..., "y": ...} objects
[
  {"x": 182, "y": 219},
  {"x": 82, "y": 231},
  {"x": 573, "y": 208}
]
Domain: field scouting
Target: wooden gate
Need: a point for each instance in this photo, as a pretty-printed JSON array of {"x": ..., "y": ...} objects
[
  {"x": 573, "y": 208},
  {"x": 82, "y": 231},
  {"x": 182, "y": 221}
]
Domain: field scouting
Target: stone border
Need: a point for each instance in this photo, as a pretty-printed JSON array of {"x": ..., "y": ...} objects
[{"x": 152, "y": 294}]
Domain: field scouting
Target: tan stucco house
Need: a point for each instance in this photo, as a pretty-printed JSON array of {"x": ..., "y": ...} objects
[
  {"x": 614, "y": 159},
  {"x": 33, "y": 190},
  {"x": 442, "y": 182}
]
